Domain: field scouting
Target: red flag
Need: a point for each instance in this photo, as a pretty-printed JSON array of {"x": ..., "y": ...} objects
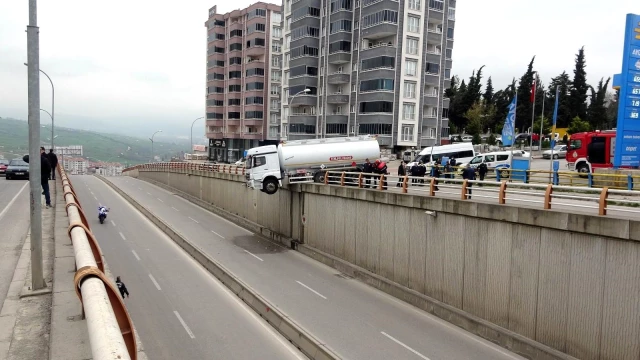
[{"x": 533, "y": 92}]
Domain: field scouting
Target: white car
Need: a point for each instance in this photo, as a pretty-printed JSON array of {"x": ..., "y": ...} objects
[{"x": 559, "y": 152}]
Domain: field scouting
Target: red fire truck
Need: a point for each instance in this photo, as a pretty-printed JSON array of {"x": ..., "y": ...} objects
[{"x": 590, "y": 150}]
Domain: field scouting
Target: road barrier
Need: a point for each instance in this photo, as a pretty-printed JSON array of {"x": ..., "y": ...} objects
[
  {"x": 110, "y": 328},
  {"x": 596, "y": 192}
]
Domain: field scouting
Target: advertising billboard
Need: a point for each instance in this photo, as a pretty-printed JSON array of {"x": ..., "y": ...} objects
[{"x": 627, "y": 151}]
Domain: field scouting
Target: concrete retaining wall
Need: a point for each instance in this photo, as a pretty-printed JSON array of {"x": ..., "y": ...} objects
[{"x": 568, "y": 281}]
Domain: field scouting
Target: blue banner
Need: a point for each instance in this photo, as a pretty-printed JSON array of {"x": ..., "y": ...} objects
[
  {"x": 555, "y": 118},
  {"x": 628, "y": 126},
  {"x": 508, "y": 130}
]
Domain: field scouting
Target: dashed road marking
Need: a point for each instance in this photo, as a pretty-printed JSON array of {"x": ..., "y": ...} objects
[
  {"x": 313, "y": 291},
  {"x": 257, "y": 257},
  {"x": 154, "y": 282}
]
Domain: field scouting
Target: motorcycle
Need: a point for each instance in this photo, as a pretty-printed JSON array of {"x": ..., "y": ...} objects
[{"x": 102, "y": 216}]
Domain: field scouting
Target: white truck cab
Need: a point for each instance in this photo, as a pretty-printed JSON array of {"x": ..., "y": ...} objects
[{"x": 263, "y": 169}]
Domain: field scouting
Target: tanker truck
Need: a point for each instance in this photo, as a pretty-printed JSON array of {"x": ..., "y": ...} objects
[{"x": 305, "y": 160}]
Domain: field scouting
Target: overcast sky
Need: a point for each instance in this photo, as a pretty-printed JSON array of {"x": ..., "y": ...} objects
[{"x": 140, "y": 65}]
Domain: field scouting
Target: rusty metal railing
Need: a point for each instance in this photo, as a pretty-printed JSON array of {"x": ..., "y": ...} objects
[{"x": 110, "y": 328}]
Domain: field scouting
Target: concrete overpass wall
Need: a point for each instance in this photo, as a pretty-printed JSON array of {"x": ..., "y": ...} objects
[{"x": 568, "y": 281}]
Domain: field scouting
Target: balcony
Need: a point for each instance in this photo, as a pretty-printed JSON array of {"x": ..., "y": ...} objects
[
  {"x": 307, "y": 119},
  {"x": 339, "y": 58},
  {"x": 255, "y": 51},
  {"x": 432, "y": 79},
  {"x": 217, "y": 123},
  {"x": 337, "y": 118},
  {"x": 337, "y": 99},
  {"x": 445, "y": 103},
  {"x": 436, "y": 5},
  {"x": 338, "y": 78},
  {"x": 378, "y": 48},
  {"x": 303, "y": 100},
  {"x": 430, "y": 100},
  {"x": 253, "y": 122},
  {"x": 215, "y": 135},
  {"x": 252, "y": 135},
  {"x": 379, "y": 31}
]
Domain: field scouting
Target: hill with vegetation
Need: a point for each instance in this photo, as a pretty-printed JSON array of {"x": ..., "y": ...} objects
[{"x": 126, "y": 150}]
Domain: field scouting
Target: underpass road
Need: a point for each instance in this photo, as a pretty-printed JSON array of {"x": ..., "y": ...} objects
[
  {"x": 14, "y": 224},
  {"x": 355, "y": 320},
  {"x": 179, "y": 310}
]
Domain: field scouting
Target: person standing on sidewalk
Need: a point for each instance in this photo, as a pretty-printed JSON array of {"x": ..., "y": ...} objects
[
  {"x": 53, "y": 161},
  {"x": 122, "y": 287},
  {"x": 45, "y": 172}
]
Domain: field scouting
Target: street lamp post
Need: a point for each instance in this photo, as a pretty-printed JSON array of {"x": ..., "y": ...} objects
[
  {"x": 53, "y": 104},
  {"x": 306, "y": 90},
  {"x": 194, "y": 121},
  {"x": 151, "y": 138}
]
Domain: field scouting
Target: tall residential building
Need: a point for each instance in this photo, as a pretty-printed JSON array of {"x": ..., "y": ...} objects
[
  {"x": 368, "y": 67},
  {"x": 243, "y": 80}
]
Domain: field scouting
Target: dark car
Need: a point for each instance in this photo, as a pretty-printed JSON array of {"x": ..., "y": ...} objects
[
  {"x": 17, "y": 169},
  {"x": 3, "y": 166}
]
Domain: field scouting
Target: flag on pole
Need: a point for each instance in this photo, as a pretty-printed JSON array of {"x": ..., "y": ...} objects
[
  {"x": 532, "y": 98},
  {"x": 555, "y": 118},
  {"x": 508, "y": 130}
]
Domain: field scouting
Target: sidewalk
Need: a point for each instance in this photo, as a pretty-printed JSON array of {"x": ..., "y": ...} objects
[{"x": 47, "y": 324}]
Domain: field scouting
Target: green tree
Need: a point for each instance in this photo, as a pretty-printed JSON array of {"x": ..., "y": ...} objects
[
  {"x": 612, "y": 109},
  {"x": 578, "y": 125},
  {"x": 563, "y": 83},
  {"x": 524, "y": 93},
  {"x": 476, "y": 140},
  {"x": 452, "y": 91},
  {"x": 597, "y": 110},
  {"x": 488, "y": 92},
  {"x": 478, "y": 116},
  {"x": 491, "y": 140},
  {"x": 579, "y": 88},
  {"x": 546, "y": 125}
]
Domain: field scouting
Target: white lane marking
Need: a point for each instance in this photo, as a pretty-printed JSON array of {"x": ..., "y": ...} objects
[
  {"x": 95, "y": 197},
  {"x": 154, "y": 282},
  {"x": 135, "y": 254},
  {"x": 217, "y": 234},
  {"x": 175, "y": 209},
  {"x": 257, "y": 257},
  {"x": 91, "y": 192},
  {"x": 112, "y": 223},
  {"x": 184, "y": 325},
  {"x": 122, "y": 236},
  {"x": 313, "y": 291},
  {"x": 194, "y": 220},
  {"x": 6, "y": 208},
  {"x": 159, "y": 199},
  {"x": 404, "y": 345}
]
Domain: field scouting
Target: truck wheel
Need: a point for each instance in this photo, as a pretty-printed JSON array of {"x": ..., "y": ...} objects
[
  {"x": 319, "y": 177},
  {"x": 270, "y": 186},
  {"x": 582, "y": 169}
]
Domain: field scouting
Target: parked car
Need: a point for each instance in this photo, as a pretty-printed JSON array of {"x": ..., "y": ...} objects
[
  {"x": 559, "y": 152},
  {"x": 17, "y": 169},
  {"x": 3, "y": 166}
]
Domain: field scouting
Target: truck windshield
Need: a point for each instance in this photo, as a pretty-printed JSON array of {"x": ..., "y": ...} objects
[
  {"x": 247, "y": 163},
  {"x": 575, "y": 144},
  {"x": 255, "y": 161}
]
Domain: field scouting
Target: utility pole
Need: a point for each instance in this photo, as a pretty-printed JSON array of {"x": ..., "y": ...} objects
[
  {"x": 194, "y": 121},
  {"x": 33, "y": 58}
]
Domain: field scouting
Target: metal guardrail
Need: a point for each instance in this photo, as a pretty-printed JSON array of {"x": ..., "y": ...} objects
[
  {"x": 564, "y": 189},
  {"x": 109, "y": 326}
]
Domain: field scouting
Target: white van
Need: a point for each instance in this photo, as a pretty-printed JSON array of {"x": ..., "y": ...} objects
[
  {"x": 462, "y": 152},
  {"x": 496, "y": 159}
]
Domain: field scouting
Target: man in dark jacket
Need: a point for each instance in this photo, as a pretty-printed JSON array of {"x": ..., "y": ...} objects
[
  {"x": 482, "y": 171},
  {"x": 380, "y": 168},
  {"x": 402, "y": 171},
  {"x": 122, "y": 287},
  {"x": 45, "y": 172},
  {"x": 469, "y": 173},
  {"x": 367, "y": 169},
  {"x": 53, "y": 161}
]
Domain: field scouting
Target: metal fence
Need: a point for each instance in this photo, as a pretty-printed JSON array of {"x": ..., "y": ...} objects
[
  {"x": 109, "y": 326},
  {"x": 597, "y": 193}
]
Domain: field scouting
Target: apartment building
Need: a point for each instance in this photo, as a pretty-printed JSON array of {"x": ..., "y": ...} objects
[
  {"x": 76, "y": 165},
  {"x": 243, "y": 80},
  {"x": 367, "y": 67}
]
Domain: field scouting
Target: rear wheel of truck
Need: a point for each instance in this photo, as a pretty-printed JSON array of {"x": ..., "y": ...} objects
[
  {"x": 318, "y": 177},
  {"x": 270, "y": 186}
]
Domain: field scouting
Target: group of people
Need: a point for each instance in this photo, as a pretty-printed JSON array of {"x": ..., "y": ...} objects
[{"x": 377, "y": 167}]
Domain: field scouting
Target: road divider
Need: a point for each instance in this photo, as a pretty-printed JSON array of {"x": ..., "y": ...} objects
[{"x": 298, "y": 336}]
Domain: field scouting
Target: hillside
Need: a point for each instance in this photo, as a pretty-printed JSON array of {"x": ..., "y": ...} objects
[{"x": 97, "y": 146}]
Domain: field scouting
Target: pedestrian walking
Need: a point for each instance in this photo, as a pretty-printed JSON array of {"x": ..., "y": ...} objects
[
  {"x": 402, "y": 171},
  {"x": 367, "y": 169},
  {"x": 482, "y": 171},
  {"x": 53, "y": 161},
  {"x": 45, "y": 172},
  {"x": 122, "y": 287},
  {"x": 469, "y": 173}
]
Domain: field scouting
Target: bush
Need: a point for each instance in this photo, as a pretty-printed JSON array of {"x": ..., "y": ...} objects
[{"x": 477, "y": 140}]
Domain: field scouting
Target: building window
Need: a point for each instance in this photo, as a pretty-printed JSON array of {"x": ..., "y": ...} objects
[
  {"x": 412, "y": 46},
  {"x": 218, "y": 90},
  {"x": 235, "y": 74},
  {"x": 276, "y": 17},
  {"x": 409, "y": 89},
  {"x": 337, "y": 129},
  {"x": 217, "y": 76},
  {"x": 253, "y": 114},
  {"x": 375, "y": 129},
  {"x": 304, "y": 51},
  {"x": 254, "y": 86},
  {"x": 220, "y": 36},
  {"x": 254, "y": 100},
  {"x": 235, "y": 88},
  {"x": 255, "y": 42},
  {"x": 383, "y": 16},
  {"x": 304, "y": 12},
  {"x": 275, "y": 75},
  {"x": 305, "y": 31},
  {"x": 303, "y": 70},
  {"x": 256, "y": 12},
  {"x": 299, "y": 89},
  {"x": 233, "y": 102},
  {"x": 276, "y": 46},
  {"x": 448, "y": 53},
  {"x": 376, "y": 85},
  {"x": 235, "y": 47},
  {"x": 275, "y": 104},
  {"x": 378, "y": 62},
  {"x": 233, "y": 115},
  {"x": 450, "y": 33},
  {"x": 407, "y": 132},
  {"x": 339, "y": 46},
  {"x": 219, "y": 50},
  {"x": 218, "y": 22},
  {"x": 275, "y": 89},
  {"x": 276, "y": 32},
  {"x": 414, "y": 5},
  {"x": 338, "y": 5},
  {"x": 432, "y": 68},
  {"x": 353, "y": 108},
  {"x": 411, "y": 67},
  {"x": 213, "y": 102},
  {"x": 413, "y": 24},
  {"x": 234, "y": 33},
  {"x": 302, "y": 129},
  {"x": 431, "y": 133},
  {"x": 356, "y": 24},
  {"x": 255, "y": 72},
  {"x": 340, "y": 25},
  {"x": 235, "y": 60},
  {"x": 408, "y": 111},
  {"x": 215, "y": 116},
  {"x": 376, "y": 107},
  {"x": 275, "y": 61},
  {"x": 255, "y": 27}
]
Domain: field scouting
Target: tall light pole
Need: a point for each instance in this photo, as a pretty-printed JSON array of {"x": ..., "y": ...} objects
[
  {"x": 35, "y": 208},
  {"x": 194, "y": 121},
  {"x": 151, "y": 138},
  {"x": 53, "y": 104},
  {"x": 306, "y": 90}
]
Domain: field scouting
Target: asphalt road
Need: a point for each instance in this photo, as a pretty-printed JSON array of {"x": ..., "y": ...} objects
[
  {"x": 355, "y": 320},
  {"x": 179, "y": 310},
  {"x": 14, "y": 223}
]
